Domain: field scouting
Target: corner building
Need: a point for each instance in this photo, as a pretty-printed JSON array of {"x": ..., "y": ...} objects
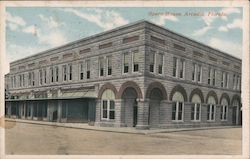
[{"x": 138, "y": 75}]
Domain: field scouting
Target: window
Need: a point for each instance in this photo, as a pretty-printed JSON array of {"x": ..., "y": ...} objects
[
  {"x": 88, "y": 68},
  {"x": 23, "y": 80},
  {"x": 51, "y": 74},
  {"x": 20, "y": 81},
  {"x": 177, "y": 107},
  {"x": 182, "y": 68},
  {"x": 108, "y": 105},
  {"x": 227, "y": 79},
  {"x": 57, "y": 73},
  {"x": 40, "y": 77},
  {"x": 109, "y": 64},
  {"x": 211, "y": 109},
  {"x": 15, "y": 81},
  {"x": 214, "y": 77},
  {"x": 64, "y": 109},
  {"x": 234, "y": 81},
  {"x": 45, "y": 76},
  {"x": 160, "y": 63},
  {"x": 125, "y": 62},
  {"x": 223, "y": 110},
  {"x": 238, "y": 83},
  {"x": 152, "y": 61},
  {"x": 101, "y": 66},
  {"x": 209, "y": 76},
  {"x": 136, "y": 61},
  {"x": 29, "y": 79},
  {"x": 193, "y": 72},
  {"x": 33, "y": 78},
  {"x": 175, "y": 67},
  {"x": 70, "y": 72},
  {"x": 199, "y": 73},
  {"x": 222, "y": 79},
  {"x": 64, "y": 73},
  {"x": 81, "y": 70},
  {"x": 196, "y": 108},
  {"x": 12, "y": 82}
]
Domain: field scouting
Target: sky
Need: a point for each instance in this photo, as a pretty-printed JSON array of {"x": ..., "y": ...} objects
[{"x": 30, "y": 30}]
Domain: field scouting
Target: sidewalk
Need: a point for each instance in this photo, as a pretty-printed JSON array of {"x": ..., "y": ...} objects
[{"x": 114, "y": 129}]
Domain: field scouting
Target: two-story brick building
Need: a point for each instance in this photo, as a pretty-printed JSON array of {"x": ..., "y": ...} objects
[{"x": 138, "y": 75}]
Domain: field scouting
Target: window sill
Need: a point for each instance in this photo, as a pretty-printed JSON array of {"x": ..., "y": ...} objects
[
  {"x": 177, "y": 121},
  {"x": 196, "y": 121}
]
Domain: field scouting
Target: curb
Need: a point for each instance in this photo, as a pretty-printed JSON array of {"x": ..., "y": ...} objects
[{"x": 118, "y": 130}]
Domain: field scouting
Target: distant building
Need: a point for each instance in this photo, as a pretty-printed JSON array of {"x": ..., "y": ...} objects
[{"x": 138, "y": 75}]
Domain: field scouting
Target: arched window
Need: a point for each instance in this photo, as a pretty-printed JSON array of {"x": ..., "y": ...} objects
[
  {"x": 108, "y": 105},
  {"x": 211, "y": 109},
  {"x": 224, "y": 110},
  {"x": 196, "y": 108},
  {"x": 177, "y": 107}
]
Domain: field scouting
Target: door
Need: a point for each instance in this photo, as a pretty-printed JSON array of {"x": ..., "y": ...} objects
[{"x": 135, "y": 108}]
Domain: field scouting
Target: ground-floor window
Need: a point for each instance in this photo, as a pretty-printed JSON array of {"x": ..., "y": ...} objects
[
  {"x": 211, "y": 112},
  {"x": 177, "y": 111},
  {"x": 108, "y": 109},
  {"x": 223, "y": 112},
  {"x": 108, "y": 105},
  {"x": 64, "y": 110},
  {"x": 195, "y": 112}
]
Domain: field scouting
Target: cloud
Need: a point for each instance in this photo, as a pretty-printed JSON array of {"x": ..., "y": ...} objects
[
  {"x": 201, "y": 31},
  {"x": 236, "y": 24},
  {"x": 223, "y": 28},
  {"x": 31, "y": 29},
  {"x": 104, "y": 19},
  {"x": 53, "y": 39},
  {"x": 51, "y": 22},
  {"x": 161, "y": 20},
  {"x": 232, "y": 48},
  {"x": 230, "y": 10},
  {"x": 14, "y": 22}
]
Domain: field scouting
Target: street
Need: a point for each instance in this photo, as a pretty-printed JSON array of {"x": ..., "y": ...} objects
[{"x": 32, "y": 139}]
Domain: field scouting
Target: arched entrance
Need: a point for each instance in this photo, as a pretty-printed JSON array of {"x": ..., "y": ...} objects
[
  {"x": 129, "y": 107},
  {"x": 154, "y": 107}
]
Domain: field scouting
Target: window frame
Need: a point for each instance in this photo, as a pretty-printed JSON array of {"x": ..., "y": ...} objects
[
  {"x": 195, "y": 112},
  {"x": 108, "y": 110},
  {"x": 123, "y": 62},
  {"x": 211, "y": 113},
  {"x": 177, "y": 105},
  {"x": 134, "y": 63}
]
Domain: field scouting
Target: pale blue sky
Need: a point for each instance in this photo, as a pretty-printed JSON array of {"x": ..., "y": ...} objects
[{"x": 30, "y": 30}]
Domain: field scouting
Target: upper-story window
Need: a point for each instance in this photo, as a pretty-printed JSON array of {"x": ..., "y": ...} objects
[
  {"x": 51, "y": 74},
  {"x": 29, "y": 79},
  {"x": 101, "y": 66},
  {"x": 125, "y": 62},
  {"x": 224, "y": 80},
  {"x": 152, "y": 61},
  {"x": 81, "y": 70},
  {"x": 45, "y": 75},
  {"x": 20, "y": 81},
  {"x": 40, "y": 77},
  {"x": 234, "y": 81},
  {"x": 160, "y": 63},
  {"x": 88, "y": 68},
  {"x": 64, "y": 72},
  {"x": 57, "y": 73},
  {"x": 135, "y": 61},
  {"x": 12, "y": 82},
  {"x": 109, "y": 64},
  {"x": 196, "y": 108},
  {"x": 70, "y": 72},
  {"x": 214, "y": 77},
  {"x": 182, "y": 68},
  {"x": 238, "y": 83},
  {"x": 175, "y": 64},
  {"x": 23, "y": 77},
  {"x": 33, "y": 78},
  {"x": 199, "y": 73},
  {"x": 211, "y": 76}
]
